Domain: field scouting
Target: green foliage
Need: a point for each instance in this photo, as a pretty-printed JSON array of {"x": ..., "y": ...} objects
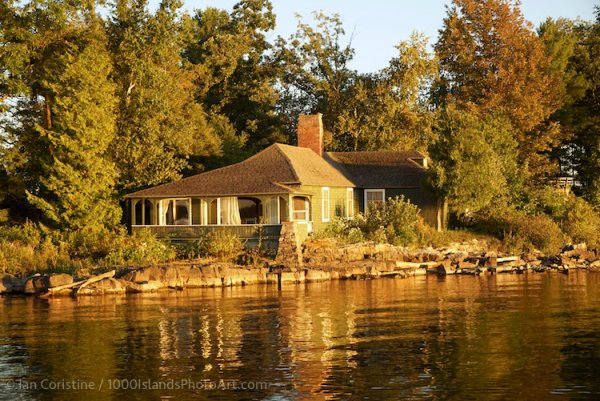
[
  {"x": 31, "y": 249},
  {"x": 389, "y": 109},
  {"x": 159, "y": 122},
  {"x": 577, "y": 218},
  {"x": 492, "y": 60},
  {"x": 522, "y": 232},
  {"x": 580, "y": 112},
  {"x": 396, "y": 222},
  {"x": 217, "y": 244},
  {"x": 77, "y": 179},
  {"x": 235, "y": 76},
  {"x": 581, "y": 222},
  {"x": 475, "y": 161},
  {"x": 60, "y": 120}
]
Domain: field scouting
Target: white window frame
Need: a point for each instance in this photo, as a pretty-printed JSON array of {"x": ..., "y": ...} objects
[
  {"x": 349, "y": 203},
  {"x": 325, "y": 211},
  {"x": 367, "y": 191},
  {"x": 305, "y": 211}
]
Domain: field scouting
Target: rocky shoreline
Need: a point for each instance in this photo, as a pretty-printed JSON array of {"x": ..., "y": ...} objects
[{"x": 321, "y": 261}]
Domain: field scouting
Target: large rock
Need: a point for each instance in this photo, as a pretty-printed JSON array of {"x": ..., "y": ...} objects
[
  {"x": 56, "y": 280},
  {"x": 317, "y": 275},
  {"x": 36, "y": 285},
  {"x": 149, "y": 286},
  {"x": 104, "y": 286},
  {"x": 10, "y": 284}
]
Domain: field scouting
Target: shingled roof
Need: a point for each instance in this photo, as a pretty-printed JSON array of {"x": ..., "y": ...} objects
[
  {"x": 381, "y": 169},
  {"x": 274, "y": 170}
]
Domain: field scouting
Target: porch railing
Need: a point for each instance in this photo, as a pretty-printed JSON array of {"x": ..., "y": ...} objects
[{"x": 246, "y": 232}]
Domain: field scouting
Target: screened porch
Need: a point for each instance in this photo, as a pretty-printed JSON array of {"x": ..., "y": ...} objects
[{"x": 185, "y": 218}]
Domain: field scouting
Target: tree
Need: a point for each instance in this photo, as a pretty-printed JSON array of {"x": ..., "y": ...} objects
[
  {"x": 60, "y": 108},
  {"x": 159, "y": 124},
  {"x": 575, "y": 48},
  {"x": 77, "y": 183},
  {"x": 316, "y": 75},
  {"x": 475, "y": 160},
  {"x": 235, "y": 76},
  {"x": 60, "y": 112},
  {"x": 491, "y": 58},
  {"x": 390, "y": 109}
]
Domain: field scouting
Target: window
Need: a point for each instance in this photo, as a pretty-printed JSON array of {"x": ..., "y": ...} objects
[
  {"x": 148, "y": 213},
  {"x": 250, "y": 210},
  {"x": 300, "y": 211},
  {"x": 171, "y": 212},
  {"x": 138, "y": 213},
  {"x": 182, "y": 212},
  {"x": 325, "y": 204},
  {"x": 349, "y": 203},
  {"x": 373, "y": 196},
  {"x": 215, "y": 212}
]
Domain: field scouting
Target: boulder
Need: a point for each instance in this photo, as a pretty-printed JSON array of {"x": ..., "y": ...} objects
[
  {"x": 491, "y": 261},
  {"x": 195, "y": 278},
  {"x": 36, "y": 285},
  {"x": 10, "y": 284},
  {"x": 105, "y": 286},
  {"x": 56, "y": 280},
  {"x": 150, "y": 286},
  {"x": 317, "y": 275}
]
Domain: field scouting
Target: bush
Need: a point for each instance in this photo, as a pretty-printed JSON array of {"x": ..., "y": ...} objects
[
  {"x": 574, "y": 215},
  {"x": 520, "y": 232},
  {"x": 581, "y": 222},
  {"x": 395, "y": 222},
  {"x": 32, "y": 248},
  {"x": 341, "y": 230},
  {"x": 217, "y": 244}
]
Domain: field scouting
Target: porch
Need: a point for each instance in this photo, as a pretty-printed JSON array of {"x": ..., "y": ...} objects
[{"x": 252, "y": 218}]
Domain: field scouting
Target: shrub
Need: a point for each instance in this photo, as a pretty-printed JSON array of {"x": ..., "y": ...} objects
[
  {"x": 581, "y": 222},
  {"x": 341, "y": 230},
  {"x": 34, "y": 249},
  {"x": 576, "y": 217},
  {"x": 396, "y": 222},
  {"x": 219, "y": 244},
  {"x": 520, "y": 232},
  {"x": 141, "y": 248}
]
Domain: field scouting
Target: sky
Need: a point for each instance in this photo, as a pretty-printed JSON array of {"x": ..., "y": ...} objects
[{"x": 379, "y": 25}]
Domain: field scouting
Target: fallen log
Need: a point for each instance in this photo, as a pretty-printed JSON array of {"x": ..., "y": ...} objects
[
  {"x": 507, "y": 259},
  {"x": 55, "y": 290},
  {"x": 95, "y": 279}
]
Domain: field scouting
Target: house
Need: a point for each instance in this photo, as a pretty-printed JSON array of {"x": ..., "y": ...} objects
[{"x": 284, "y": 183}]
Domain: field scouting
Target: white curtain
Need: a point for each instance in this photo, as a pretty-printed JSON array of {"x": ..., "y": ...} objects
[
  {"x": 164, "y": 209},
  {"x": 272, "y": 210},
  {"x": 230, "y": 210}
]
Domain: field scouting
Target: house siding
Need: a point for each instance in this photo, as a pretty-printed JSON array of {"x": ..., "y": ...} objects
[
  {"x": 426, "y": 202},
  {"x": 337, "y": 204}
]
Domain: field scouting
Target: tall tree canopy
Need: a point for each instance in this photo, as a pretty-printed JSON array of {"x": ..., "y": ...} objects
[
  {"x": 476, "y": 160},
  {"x": 491, "y": 57},
  {"x": 235, "y": 74},
  {"x": 316, "y": 75},
  {"x": 159, "y": 124},
  {"x": 62, "y": 109}
]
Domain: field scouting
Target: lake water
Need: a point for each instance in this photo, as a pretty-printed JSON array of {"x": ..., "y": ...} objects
[{"x": 505, "y": 337}]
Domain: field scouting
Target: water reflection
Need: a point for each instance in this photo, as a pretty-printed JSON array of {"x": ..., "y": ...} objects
[{"x": 508, "y": 336}]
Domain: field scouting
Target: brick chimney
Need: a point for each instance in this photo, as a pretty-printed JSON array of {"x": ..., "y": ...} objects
[{"x": 310, "y": 132}]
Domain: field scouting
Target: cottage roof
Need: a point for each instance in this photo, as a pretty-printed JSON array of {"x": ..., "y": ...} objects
[
  {"x": 381, "y": 169},
  {"x": 275, "y": 170}
]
